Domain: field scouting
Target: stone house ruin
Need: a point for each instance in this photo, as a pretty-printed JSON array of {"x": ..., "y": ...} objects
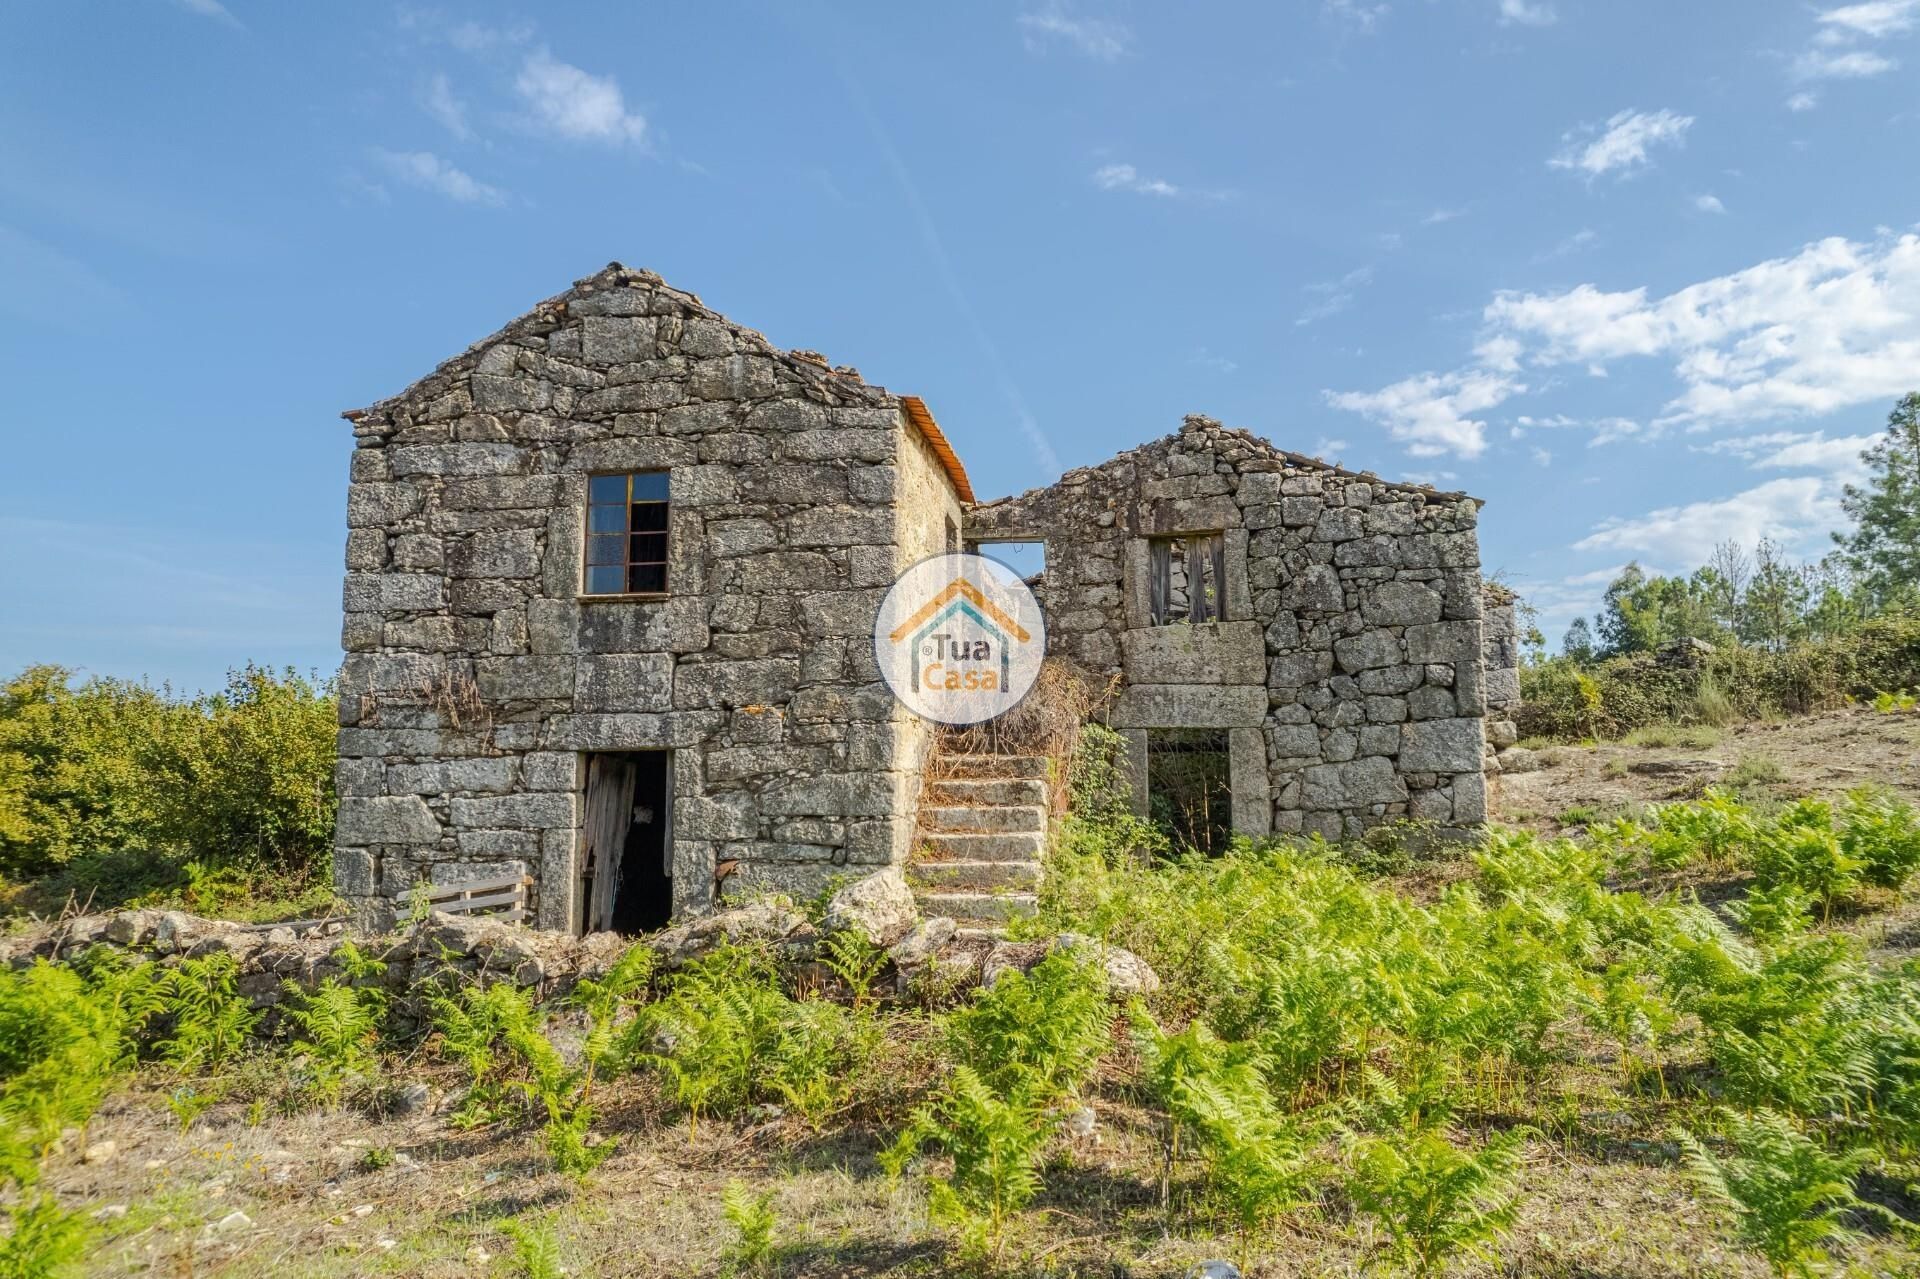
[{"x": 611, "y": 579}]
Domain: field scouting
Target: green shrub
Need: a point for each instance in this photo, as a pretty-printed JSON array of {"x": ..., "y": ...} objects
[
  {"x": 1259, "y": 1162},
  {"x": 996, "y": 1138},
  {"x": 1800, "y": 848},
  {"x": 124, "y": 785},
  {"x": 336, "y": 1026},
  {"x": 1431, "y": 1198},
  {"x": 752, "y": 1219},
  {"x": 725, "y": 1035},
  {"x": 1041, "y": 1030},
  {"x": 1789, "y": 1196},
  {"x": 1882, "y": 834},
  {"x": 44, "y": 1238},
  {"x": 1611, "y": 698}
]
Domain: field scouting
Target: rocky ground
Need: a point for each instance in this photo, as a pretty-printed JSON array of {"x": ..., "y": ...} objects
[
  {"x": 1828, "y": 754},
  {"x": 388, "y": 1186}
]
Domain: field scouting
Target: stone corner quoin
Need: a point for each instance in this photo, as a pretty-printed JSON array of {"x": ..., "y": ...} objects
[{"x": 1359, "y": 668}]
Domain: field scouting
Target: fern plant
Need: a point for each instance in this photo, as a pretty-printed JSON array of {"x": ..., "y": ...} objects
[
  {"x": 536, "y": 1250},
  {"x": 856, "y": 961},
  {"x": 1433, "y": 1199},
  {"x": 1801, "y": 848},
  {"x": 752, "y": 1218},
  {"x": 210, "y": 1022},
  {"x": 1788, "y": 1194},
  {"x": 337, "y": 1025},
  {"x": 1259, "y": 1163},
  {"x": 995, "y": 1139},
  {"x": 45, "y": 1237},
  {"x": 1041, "y": 1031}
]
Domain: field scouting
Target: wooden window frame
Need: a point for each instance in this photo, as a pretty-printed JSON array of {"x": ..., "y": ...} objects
[
  {"x": 629, "y": 564},
  {"x": 1213, "y": 547}
]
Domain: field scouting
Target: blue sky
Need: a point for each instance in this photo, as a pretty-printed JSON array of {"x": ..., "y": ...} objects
[{"x": 1642, "y": 275}]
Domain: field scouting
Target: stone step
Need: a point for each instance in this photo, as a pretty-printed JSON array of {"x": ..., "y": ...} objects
[
  {"x": 971, "y": 909},
  {"x": 971, "y": 818},
  {"x": 1015, "y": 766},
  {"x": 981, "y": 876},
  {"x": 982, "y": 791},
  {"x": 979, "y": 846}
]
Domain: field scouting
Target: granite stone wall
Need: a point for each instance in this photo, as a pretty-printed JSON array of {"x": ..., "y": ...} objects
[
  {"x": 1501, "y": 633},
  {"x": 477, "y": 673},
  {"x": 1348, "y": 668}
]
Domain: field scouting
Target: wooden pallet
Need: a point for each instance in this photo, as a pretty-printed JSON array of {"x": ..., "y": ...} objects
[{"x": 504, "y": 897}]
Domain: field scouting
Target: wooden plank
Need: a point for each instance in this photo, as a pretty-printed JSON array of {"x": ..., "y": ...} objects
[{"x": 513, "y": 897}]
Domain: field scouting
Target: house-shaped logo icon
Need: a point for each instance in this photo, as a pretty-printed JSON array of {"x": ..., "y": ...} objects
[{"x": 959, "y": 638}]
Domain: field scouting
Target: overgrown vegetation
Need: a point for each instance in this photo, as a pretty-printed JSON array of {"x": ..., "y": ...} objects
[
  {"x": 1749, "y": 634},
  {"x": 113, "y": 791},
  {"x": 1345, "y": 1046}
]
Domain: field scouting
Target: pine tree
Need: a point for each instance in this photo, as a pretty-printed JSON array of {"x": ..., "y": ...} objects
[{"x": 1884, "y": 547}]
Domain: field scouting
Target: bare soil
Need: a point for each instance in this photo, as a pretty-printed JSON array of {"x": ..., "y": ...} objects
[{"x": 350, "y": 1193}]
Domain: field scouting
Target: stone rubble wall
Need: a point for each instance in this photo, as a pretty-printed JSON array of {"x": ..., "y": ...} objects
[
  {"x": 442, "y": 952},
  {"x": 1350, "y": 668},
  {"x": 475, "y": 673}
]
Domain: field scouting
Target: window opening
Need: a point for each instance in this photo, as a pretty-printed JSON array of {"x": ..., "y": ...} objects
[{"x": 627, "y": 534}]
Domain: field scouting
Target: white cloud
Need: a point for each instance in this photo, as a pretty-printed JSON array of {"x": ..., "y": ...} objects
[
  {"x": 1875, "y": 20},
  {"x": 1834, "y": 325},
  {"x": 209, "y": 9},
  {"x": 1541, "y": 457},
  {"x": 1329, "y": 447},
  {"x": 1622, "y": 144},
  {"x": 1527, "y": 13},
  {"x": 1709, "y": 204},
  {"x": 575, "y": 104},
  {"x": 1579, "y": 242},
  {"x": 1799, "y": 451},
  {"x": 1430, "y": 412},
  {"x": 1442, "y": 215},
  {"x": 429, "y": 172},
  {"x": 438, "y": 101},
  {"x": 1788, "y": 511},
  {"x": 1097, "y": 38},
  {"x": 1206, "y": 359},
  {"x": 1842, "y": 41},
  {"x": 1335, "y": 295},
  {"x": 1850, "y": 64},
  {"x": 1805, "y": 100},
  {"x": 1356, "y": 14},
  {"x": 1124, "y": 177}
]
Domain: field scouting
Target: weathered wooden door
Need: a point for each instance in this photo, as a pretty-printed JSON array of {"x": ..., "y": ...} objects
[{"x": 609, "y": 809}]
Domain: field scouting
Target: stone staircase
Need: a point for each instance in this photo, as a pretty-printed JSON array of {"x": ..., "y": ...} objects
[{"x": 983, "y": 829}]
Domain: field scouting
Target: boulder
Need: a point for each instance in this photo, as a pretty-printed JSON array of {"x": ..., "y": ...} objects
[
  {"x": 880, "y": 906},
  {"x": 1125, "y": 972},
  {"x": 922, "y": 943},
  {"x": 771, "y": 919},
  {"x": 1518, "y": 759}
]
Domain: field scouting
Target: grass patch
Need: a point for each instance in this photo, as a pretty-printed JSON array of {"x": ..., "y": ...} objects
[
  {"x": 1693, "y": 737},
  {"x": 1755, "y": 770}
]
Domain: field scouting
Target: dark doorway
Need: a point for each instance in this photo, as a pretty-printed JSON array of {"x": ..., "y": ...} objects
[
  {"x": 627, "y": 871},
  {"x": 1189, "y": 786}
]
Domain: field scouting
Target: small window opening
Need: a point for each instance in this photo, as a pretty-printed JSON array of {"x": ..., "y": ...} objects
[
  {"x": 1189, "y": 787},
  {"x": 953, "y": 536},
  {"x": 1028, "y": 559},
  {"x": 627, "y": 534},
  {"x": 1186, "y": 576},
  {"x": 626, "y": 883}
]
